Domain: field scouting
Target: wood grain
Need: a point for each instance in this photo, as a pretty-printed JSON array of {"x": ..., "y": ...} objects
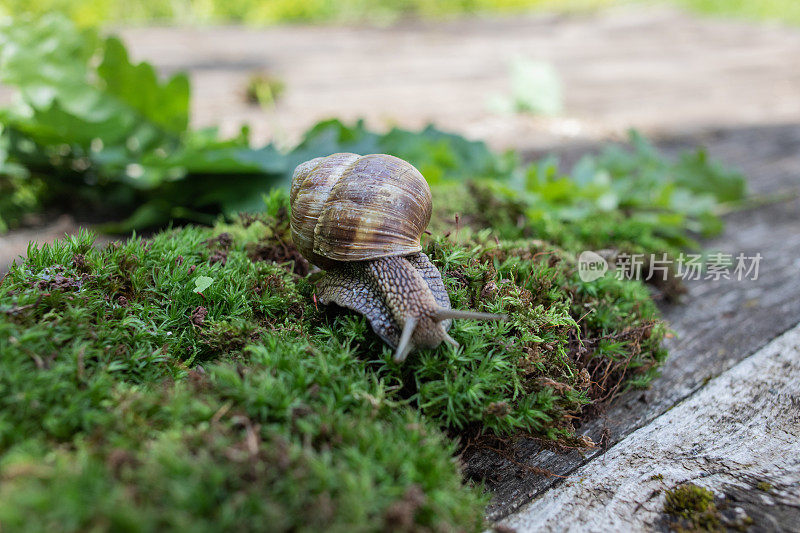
[{"x": 739, "y": 437}]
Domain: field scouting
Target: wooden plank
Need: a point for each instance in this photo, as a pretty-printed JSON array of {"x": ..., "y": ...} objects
[
  {"x": 650, "y": 67},
  {"x": 736, "y": 434},
  {"x": 718, "y": 324}
]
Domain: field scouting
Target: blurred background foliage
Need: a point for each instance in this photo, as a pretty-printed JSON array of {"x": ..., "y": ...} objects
[
  {"x": 88, "y": 13},
  {"x": 91, "y": 133}
]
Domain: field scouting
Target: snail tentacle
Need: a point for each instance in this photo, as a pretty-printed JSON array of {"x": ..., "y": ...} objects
[
  {"x": 403, "y": 300},
  {"x": 451, "y": 341},
  {"x": 404, "y": 346},
  {"x": 447, "y": 313}
]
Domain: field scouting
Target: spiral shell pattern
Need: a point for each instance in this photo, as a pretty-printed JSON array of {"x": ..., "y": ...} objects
[{"x": 347, "y": 207}]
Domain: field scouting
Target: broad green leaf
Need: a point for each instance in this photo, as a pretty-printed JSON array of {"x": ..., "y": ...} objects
[{"x": 137, "y": 86}]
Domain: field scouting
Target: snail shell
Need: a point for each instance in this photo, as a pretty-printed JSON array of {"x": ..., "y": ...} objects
[
  {"x": 347, "y": 207},
  {"x": 361, "y": 218}
]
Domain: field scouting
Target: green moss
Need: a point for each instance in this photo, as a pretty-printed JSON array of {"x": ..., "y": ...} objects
[
  {"x": 121, "y": 409},
  {"x": 131, "y": 394},
  {"x": 764, "y": 486},
  {"x": 264, "y": 89},
  {"x": 695, "y": 505}
]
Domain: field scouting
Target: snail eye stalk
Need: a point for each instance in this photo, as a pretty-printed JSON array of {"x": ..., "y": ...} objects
[{"x": 445, "y": 314}]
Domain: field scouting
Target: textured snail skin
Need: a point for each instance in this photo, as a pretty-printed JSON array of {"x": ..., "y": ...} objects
[
  {"x": 389, "y": 291},
  {"x": 361, "y": 219}
]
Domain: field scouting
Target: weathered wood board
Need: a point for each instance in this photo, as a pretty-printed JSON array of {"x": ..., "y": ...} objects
[
  {"x": 741, "y": 431},
  {"x": 718, "y": 324}
]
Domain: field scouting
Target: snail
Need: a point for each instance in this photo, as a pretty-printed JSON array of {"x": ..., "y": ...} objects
[{"x": 360, "y": 218}]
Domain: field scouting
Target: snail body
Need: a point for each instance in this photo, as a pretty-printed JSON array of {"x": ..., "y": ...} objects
[{"x": 361, "y": 219}]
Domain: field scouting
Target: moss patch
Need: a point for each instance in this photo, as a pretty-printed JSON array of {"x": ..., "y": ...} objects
[
  {"x": 192, "y": 380},
  {"x": 688, "y": 507},
  {"x": 695, "y": 505},
  {"x": 764, "y": 486},
  {"x": 129, "y": 401}
]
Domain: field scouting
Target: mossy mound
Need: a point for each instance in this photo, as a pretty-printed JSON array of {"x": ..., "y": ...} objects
[
  {"x": 130, "y": 402},
  {"x": 191, "y": 380}
]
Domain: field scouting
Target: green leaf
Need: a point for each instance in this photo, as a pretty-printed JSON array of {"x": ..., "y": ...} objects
[
  {"x": 137, "y": 86},
  {"x": 149, "y": 215},
  {"x": 202, "y": 283},
  {"x": 49, "y": 51}
]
